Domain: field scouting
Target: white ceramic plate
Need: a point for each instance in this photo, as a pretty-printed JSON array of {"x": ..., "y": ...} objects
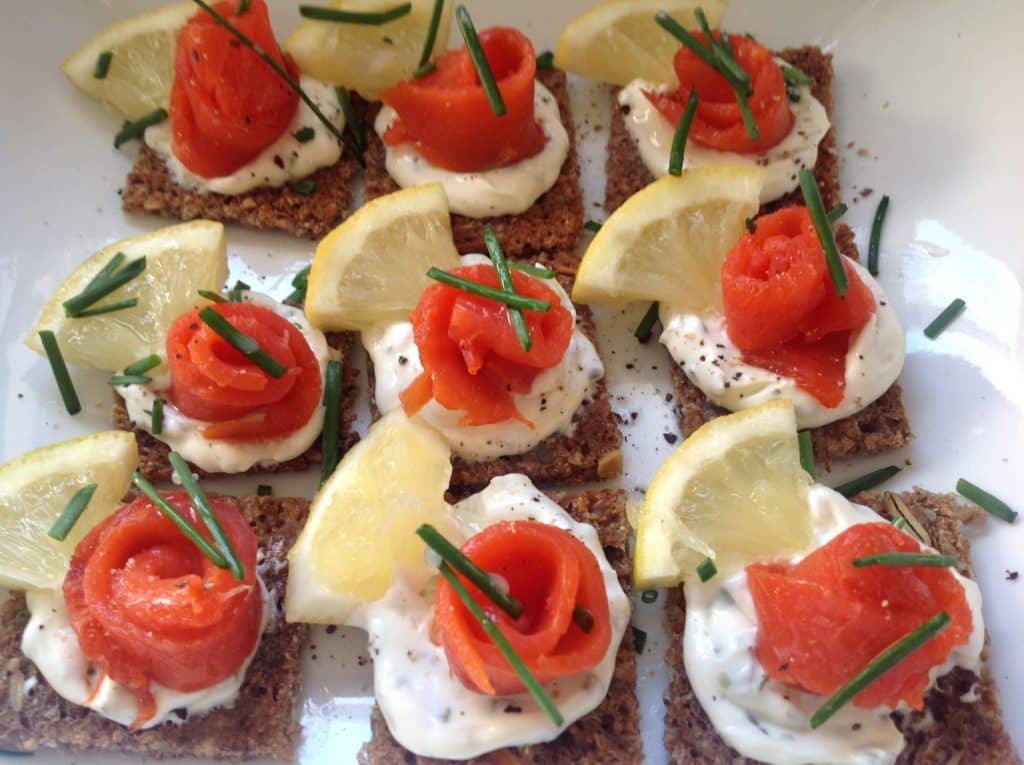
[{"x": 927, "y": 112}]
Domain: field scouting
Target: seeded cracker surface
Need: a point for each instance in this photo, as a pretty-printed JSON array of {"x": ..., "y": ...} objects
[
  {"x": 949, "y": 730},
  {"x": 261, "y": 723},
  {"x": 153, "y": 453},
  {"x": 150, "y": 188},
  {"x": 610, "y": 734},
  {"x": 591, "y": 453},
  {"x": 555, "y": 222},
  {"x": 881, "y": 426}
]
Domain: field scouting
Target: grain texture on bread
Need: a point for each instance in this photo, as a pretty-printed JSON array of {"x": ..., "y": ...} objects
[
  {"x": 949, "y": 730},
  {"x": 154, "y": 464},
  {"x": 592, "y": 452},
  {"x": 627, "y": 173},
  {"x": 150, "y": 189},
  {"x": 611, "y": 733},
  {"x": 555, "y": 221},
  {"x": 261, "y": 723}
]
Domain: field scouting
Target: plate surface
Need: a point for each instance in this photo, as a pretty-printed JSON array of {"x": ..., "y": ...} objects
[{"x": 921, "y": 116}]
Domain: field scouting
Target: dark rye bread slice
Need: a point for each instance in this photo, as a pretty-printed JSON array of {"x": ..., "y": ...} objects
[
  {"x": 627, "y": 174},
  {"x": 960, "y": 731},
  {"x": 591, "y": 453},
  {"x": 150, "y": 188},
  {"x": 153, "y": 453},
  {"x": 261, "y": 722},
  {"x": 611, "y": 733},
  {"x": 555, "y": 221}
]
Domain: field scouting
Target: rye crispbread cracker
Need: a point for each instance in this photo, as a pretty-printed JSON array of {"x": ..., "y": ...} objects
[
  {"x": 153, "y": 453},
  {"x": 949, "y": 730},
  {"x": 150, "y": 188},
  {"x": 627, "y": 174},
  {"x": 611, "y": 733},
  {"x": 261, "y": 722},
  {"x": 591, "y": 453},
  {"x": 553, "y": 224}
]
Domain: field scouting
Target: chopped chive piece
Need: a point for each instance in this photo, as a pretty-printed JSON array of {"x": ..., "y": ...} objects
[
  {"x": 208, "y": 516},
  {"x": 423, "y": 71},
  {"x": 243, "y": 7},
  {"x": 180, "y": 521},
  {"x": 105, "y": 282},
  {"x": 352, "y": 122},
  {"x": 305, "y": 135},
  {"x": 592, "y": 225},
  {"x": 129, "y": 380},
  {"x": 676, "y": 29},
  {"x": 707, "y": 570},
  {"x": 424, "y": 64},
  {"x": 246, "y": 345},
  {"x": 825, "y": 235},
  {"x": 483, "y": 68},
  {"x": 517, "y": 301},
  {"x": 748, "y": 118},
  {"x": 546, "y": 60},
  {"x": 60, "y": 372},
  {"x": 102, "y": 65},
  {"x": 649, "y": 596},
  {"x": 319, "y": 13},
  {"x": 300, "y": 282},
  {"x": 905, "y": 559},
  {"x": 806, "y": 452},
  {"x": 639, "y": 639},
  {"x": 497, "y": 256},
  {"x": 133, "y": 131},
  {"x": 235, "y": 293},
  {"x": 213, "y": 297},
  {"x": 900, "y": 523},
  {"x": 794, "y": 77},
  {"x": 306, "y": 187},
  {"x": 985, "y": 501},
  {"x": 583, "y": 618},
  {"x": 675, "y": 159},
  {"x": 287, "y": 79},
  {"x": 143, "y": 365},
  {"x": 538, "y": 271},
  {"x": 944, "y": 319},
  {"x": 72, "y": 513},
  {"x": 751, "y": 226},
  {"x": 482, "y": 580},
  {"x": 156, "y": 414},
  {"x": 332, "y": 406},
  {"x": 643, "y": 329},
  {"x": 264, "y": 491},
  {"x": 837, "y": 212},
  {"x": 109, "y": 308},
  {"x": 876, "y": 234},
  {"x": 535, "y": 688},
  {"x": 881, "y": 664},
  {"x": 869, "y": 481}
]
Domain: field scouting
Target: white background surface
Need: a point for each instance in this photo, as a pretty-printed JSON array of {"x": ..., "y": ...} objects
[{"x": 928, "y": 93}]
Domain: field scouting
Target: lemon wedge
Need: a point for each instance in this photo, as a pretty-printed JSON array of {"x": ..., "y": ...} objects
[
  {"x": 36, "y": 487},
  {"x": 362, "y": 523},
  {"x": 367, "y": 59},
  {"x": 180, "y": 260},
  {"x": 667, "y": 241},
  {"x": 618, "y": 41},
  {"x": 373, "y": 267},
  {"x": 141, "y": 69},
  {"x": 734, "y": 491}
]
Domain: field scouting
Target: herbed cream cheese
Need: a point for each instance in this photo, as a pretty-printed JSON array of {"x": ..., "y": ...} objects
[
  {"x": 426, "y": 707},
  {"x": 508, "y": 190},
  {"x": 287, "y": 159},
  {"x": 550, "y": 405},
  {"x": 767, "y": 720},
  {"x": 184, "y": 434},
  {"x": 781, "y": 164},
  {"x": 50, "y": 642},
  {"x": 701, "y": 346}
]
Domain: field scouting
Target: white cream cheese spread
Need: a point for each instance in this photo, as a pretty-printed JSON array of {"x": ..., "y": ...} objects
[
  {"x": 287, "y": 159},
  {"x": 508, "y": 190},
  {"x": 426, "y": 707},
  {"x": 767, "y": 720}
]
